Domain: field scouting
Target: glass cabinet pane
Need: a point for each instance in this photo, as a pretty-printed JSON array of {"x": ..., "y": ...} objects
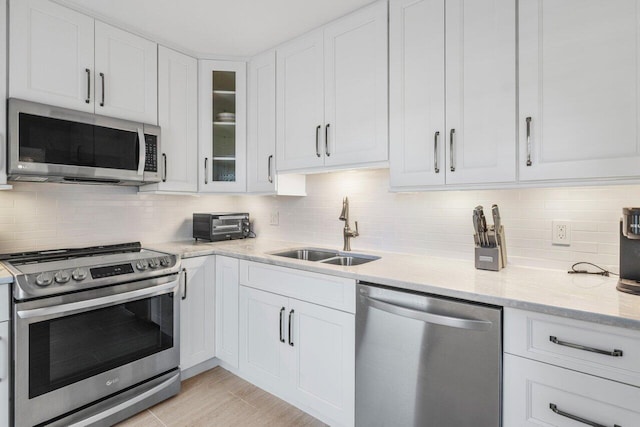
[{"x": 224, "y": 126}]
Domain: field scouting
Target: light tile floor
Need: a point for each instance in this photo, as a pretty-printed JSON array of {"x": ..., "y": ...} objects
[{"x": 217, "y": 398}]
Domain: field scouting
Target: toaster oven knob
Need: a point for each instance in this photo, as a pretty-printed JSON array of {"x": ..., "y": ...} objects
[
  {"x": 79, "y": 274},
  {"x": 44, "y": 279},
  {"x": 62, "y": 276},
  {"x": 142, "y": 265}
]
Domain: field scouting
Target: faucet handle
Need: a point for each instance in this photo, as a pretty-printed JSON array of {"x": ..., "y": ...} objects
[{"x": 356, "y": 233}]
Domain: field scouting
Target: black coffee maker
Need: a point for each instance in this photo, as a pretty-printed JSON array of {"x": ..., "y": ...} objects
[{"x": 630, "y": 251}]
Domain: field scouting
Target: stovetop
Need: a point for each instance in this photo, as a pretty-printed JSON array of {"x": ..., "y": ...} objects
[{"x": 54, "y": 272}]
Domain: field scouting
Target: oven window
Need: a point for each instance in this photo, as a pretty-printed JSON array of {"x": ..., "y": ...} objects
[
  {"x": 65, "y": 350},
  {"x": 62, "y": 142}
]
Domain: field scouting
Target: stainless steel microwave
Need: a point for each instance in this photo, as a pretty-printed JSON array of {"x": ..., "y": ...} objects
[{"x": 53, "y": 144}]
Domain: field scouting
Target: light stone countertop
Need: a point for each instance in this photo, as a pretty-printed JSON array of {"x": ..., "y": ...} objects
[
  {"x": 584, "y": 297},
  {"x": 5, "y": 276}
]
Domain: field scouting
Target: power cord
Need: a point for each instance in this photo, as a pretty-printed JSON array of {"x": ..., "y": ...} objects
[{"x": 602, "y": 272}]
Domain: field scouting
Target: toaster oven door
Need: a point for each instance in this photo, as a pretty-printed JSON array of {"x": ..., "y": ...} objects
[{"x": 227, "y": 227}]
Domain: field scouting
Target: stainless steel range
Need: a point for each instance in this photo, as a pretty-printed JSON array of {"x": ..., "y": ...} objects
[{"x": 95, "y": 333}]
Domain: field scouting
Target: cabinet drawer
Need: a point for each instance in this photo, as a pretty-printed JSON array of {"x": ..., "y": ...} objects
[
  {"x": 330, "y": 291},
  {"x": 5, "y": 297},
  {"x": 530, "y": 388},
  {"x": 601, "y": 350}
]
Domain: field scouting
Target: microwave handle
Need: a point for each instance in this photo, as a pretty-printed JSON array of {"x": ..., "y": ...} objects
[{"x": 143, "y": 151}]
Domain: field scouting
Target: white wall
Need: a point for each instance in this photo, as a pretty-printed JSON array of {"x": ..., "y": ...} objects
[{"x": 37, "y": 216}]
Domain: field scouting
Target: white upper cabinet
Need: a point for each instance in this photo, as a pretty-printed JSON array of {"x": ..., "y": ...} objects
[
  {"x": 300, "y": 103},
  {"x": 178, "y": 119},
  {"x": 126, "y": 75},
  {"x": 332, "y": 94},
  {"x": 51, "y": 55},
  {"x": 473, "y": 139},
  {"x": 578, "y": 96},
  {"x": 222, "y": 98},
  {"x": 61, "y": 57}
]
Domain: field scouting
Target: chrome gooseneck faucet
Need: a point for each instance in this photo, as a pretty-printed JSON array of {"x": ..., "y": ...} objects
[{"x": 347, "y": 232}]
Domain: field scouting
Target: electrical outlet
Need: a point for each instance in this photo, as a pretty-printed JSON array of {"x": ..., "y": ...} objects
[
  {"x": 561, "y": 233},
  {"x": 274, "y": 218}
]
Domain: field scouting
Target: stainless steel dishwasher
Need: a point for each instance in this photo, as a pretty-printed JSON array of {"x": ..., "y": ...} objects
[{"x": 426, "y": 361}]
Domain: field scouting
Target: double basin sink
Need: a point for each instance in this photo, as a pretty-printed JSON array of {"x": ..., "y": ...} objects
[{"x": 327, "y": 256}]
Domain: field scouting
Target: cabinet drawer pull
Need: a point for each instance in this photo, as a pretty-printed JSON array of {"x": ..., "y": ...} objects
[
  {"x": 184, "y": 294},
  {"x": 102, "y": 80},
  {"x": 452, "y": 135},
  {"x": 436, "y": 136},
  {"x": 206, "y": 163},
  {"x": 164, "y": 169},
  {"x": 280, "y": 325},
  {"x": 318, "y": 140},
  {"x": 555, "y": 409},
  {"x": 88, "y": 71},
  {"x": 528, "y": 119},
  {"x": 614, "y": 353},
  {"x": 290, "y": 322},
  {"x": 269, "y": 176},
  {"x": 326, "y": 140}
]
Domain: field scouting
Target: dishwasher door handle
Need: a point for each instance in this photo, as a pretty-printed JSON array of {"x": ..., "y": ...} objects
[{"x": 425, "y": 316}]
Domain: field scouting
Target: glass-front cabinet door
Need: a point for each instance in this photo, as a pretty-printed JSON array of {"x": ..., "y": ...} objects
[{"x": 222, "y": 135}]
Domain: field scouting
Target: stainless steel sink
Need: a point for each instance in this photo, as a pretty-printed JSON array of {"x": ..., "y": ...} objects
[
  {"x": 327, "y": 256},
  {"x": 350, "y": 260},
  {"x": 308, "y": 254}
]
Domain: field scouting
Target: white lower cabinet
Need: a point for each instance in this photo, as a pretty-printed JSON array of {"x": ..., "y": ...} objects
[
  {"x": 227, "y": 287},
  {"x": 302, "y": 352},
  {"x": 539, "y": 394},
  {"x": 197, "y": 310}
]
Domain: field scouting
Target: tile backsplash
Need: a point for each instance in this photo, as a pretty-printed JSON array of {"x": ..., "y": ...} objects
[{"x": 438, "y": 223}]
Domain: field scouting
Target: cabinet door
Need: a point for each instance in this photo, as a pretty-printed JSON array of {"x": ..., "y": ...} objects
[
  {"x": 51, "y": 55},
  {"x": 126, "y": 75},
  {"x": 178, "y": 118},
  {"x": 480, "y": 91},
  {"x": 356, "y": 87},
  {"x": 263, "y": 346},
  {"x": 5, "y": 369},
  {"x": 197, "y": 311},
  {"x": 300, "y": 103},
  {"x": 416, "y": 37},
  {"x": 222, "y": 126},
  {"x": 323, "y": 341},
  {"x": 531, "y": 388},
  {"x": 227, "y": 306},
  {"x": 578, "y": 79},
  {"x": 261, "y": 136}
]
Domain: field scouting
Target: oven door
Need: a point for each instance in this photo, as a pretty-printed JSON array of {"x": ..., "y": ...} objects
[{"x": 74, "y": 349}]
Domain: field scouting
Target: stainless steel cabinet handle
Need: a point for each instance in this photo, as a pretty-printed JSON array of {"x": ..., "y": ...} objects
[
  {"x": 452, "y": 134},
  {"x": 436, "y": 136},
  {"x": 88, "y": 71},
  {"x": 318, "y": 140},
  {"x": 326, "y": 140},
  {"x": 142, "y": 151},
  {"x": 102, "y": 80},
  {"x": 290, "y": 323},
  {"x": 528, "y": 119},
  {"x": 269, "y": 176},
  {"x": 555, "y": 409},
  {"x": 614, "y": 353},
  {"x": 281, "y": 324},
  {"x": 184, "y": 293},
  {"x": 164, "y": 175},
  {"x": 425, "y": 316},
  {"x": 206, "y": 174}
]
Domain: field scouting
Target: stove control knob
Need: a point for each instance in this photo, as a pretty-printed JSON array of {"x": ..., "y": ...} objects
[
  {"x": 164, "y": 261},
  {"x": 154, "y": 263},
  {"x": 79, "y": 274},
  {"x": 62, "y": 276},
  {"x": 142, "y": 265},
  {"x": 44, "y": 279}
]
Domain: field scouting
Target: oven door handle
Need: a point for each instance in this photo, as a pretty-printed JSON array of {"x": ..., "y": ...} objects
[{"x": 82, "y": 306}]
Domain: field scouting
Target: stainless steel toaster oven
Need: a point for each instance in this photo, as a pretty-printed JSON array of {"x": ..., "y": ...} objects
[{"x": 220, "y": 226}]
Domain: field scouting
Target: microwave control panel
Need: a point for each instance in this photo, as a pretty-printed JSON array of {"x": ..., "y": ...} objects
[{"x": 151, "y": 159}]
